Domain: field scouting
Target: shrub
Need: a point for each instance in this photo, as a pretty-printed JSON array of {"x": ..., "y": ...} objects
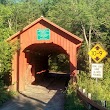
[
  {"x": 5, "y": 95},
  {"x": 6, "y": 53},
  {"x": 101, "y": 89},
  {"x": 72, "y": 101}
]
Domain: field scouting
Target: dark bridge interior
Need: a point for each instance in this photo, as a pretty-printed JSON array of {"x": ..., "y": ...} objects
[{"x": 38, "y": 55}]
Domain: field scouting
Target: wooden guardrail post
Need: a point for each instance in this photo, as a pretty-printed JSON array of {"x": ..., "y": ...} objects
[
  {"x": 84, "y": 91},
  {"x": 89, "y": 95}
]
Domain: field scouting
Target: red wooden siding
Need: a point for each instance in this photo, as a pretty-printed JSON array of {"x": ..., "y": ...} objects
[{"x": 58, "y": 36}]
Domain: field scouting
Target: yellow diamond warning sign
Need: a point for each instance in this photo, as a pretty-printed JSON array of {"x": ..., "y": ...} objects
[{"x": 97, "y": 53}]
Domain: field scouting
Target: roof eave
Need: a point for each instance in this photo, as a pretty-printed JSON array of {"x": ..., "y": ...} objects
[{"x": 53, "y": 24}]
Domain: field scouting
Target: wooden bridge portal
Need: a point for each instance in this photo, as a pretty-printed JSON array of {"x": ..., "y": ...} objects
[{"x": 37, "y": 41}]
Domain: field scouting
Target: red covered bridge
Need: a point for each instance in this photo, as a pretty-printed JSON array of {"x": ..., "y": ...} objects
[{"x": 37, "y": 41}]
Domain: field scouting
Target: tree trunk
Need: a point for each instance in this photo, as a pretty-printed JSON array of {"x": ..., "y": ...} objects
[
  {"x": 9, "y": 24},
  {"x": 88, "y": 41},
  {"x": 89, "y": 45},
  {"x": 84, "y": 32}
]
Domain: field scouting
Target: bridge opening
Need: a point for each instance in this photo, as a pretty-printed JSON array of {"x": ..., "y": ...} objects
[{"x": 49, "y": 64}]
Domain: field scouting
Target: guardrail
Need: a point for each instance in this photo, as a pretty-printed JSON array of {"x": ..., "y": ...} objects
[{"x": 87, "y": 102}]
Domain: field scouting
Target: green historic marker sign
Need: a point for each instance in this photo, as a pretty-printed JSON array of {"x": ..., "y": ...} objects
[{"x": 43, "y": 34}]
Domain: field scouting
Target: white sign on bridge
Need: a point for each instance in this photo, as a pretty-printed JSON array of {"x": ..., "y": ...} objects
[{"x": 97, "y": 70}]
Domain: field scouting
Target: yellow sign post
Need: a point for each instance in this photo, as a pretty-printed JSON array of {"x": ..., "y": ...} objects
[{"x": 97, "y": 53}]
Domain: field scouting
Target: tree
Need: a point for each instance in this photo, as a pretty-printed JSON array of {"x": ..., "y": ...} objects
[
  {"x": 24, "y": 13},
  {"x": 5, "y": 22},
  {"x": 85, "y": 18},
  {"x": 45, "y": 5},
  {"x": 6, "y": 54}
]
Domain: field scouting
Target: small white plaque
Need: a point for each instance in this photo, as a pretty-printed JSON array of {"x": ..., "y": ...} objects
[{"x": 97, "y": 70}]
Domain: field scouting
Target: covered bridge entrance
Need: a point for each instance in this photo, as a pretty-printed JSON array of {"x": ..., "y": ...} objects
[{"x": 38, "y": 41}]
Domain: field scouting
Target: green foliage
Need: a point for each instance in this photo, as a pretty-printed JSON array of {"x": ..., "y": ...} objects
[
  {"x": 101, "y": 89},
  {"x": 6, "y": 52},
  {"x": 24, "y": 13},
  {"x": 83, "y": 58},
  {"x": 59, "y": 63},
  {"x": 5, "y": 95},
  {"x": 72, "y": 101},
  {"x": 85, "y": 18},
  {"x": 45, "y": 5},
  {"x": 16, "y": 14},
  {"x": 58, "y": 11},
  {"x": 5, "y": 25},
  {"x": 5, "y": 57}
]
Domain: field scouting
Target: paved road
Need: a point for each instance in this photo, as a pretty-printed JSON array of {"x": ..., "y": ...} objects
[{"x": 38, "y": 97}]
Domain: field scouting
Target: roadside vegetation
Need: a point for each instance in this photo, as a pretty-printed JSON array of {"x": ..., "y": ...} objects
[
  {"x": 5, "y": 94},
  {"x": 99, "y": 89},
  {"x": 6, "y": 52},
  {"x": 72, "y": 102}
]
